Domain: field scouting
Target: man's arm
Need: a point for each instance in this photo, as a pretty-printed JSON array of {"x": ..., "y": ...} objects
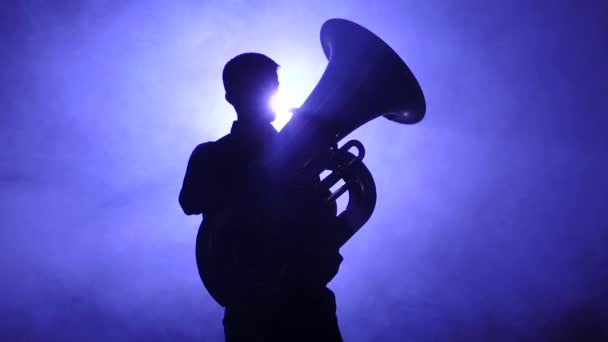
[{"x": 199, "y": 186}]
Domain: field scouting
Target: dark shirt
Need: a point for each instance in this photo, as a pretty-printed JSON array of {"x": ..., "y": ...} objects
[
  {"x": 285, "y": 232},
  {"x": 290, "y": 224},
  {"x": 216, "y": 169}
]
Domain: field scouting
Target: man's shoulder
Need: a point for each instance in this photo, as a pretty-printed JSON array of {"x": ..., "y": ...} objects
[
  {"x": 202, "y": 150},
  {"x": 211, "y": 147},
  {"x": 203, "y": 147}
]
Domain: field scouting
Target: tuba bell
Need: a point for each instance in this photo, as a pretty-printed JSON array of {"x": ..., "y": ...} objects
[{"x": 364, "y": 79}]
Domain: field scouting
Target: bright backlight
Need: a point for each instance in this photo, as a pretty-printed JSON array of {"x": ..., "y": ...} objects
[{"x": 282, "y": 108}]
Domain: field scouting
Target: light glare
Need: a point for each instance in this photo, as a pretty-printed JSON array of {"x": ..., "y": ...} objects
[{"x": 281, "y": 107}]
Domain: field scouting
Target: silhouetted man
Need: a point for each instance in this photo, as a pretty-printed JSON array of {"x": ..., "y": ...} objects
[{"x": 284, "y": 230}]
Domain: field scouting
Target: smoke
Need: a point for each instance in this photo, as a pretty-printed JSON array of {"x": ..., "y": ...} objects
[{"x": 491, "y": 219}]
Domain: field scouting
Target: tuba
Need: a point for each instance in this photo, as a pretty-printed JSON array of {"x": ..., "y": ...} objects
[{"x": 364, "y": 79}]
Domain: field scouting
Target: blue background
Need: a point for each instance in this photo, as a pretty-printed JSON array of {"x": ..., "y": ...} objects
[{"x": 492, "y": 214}]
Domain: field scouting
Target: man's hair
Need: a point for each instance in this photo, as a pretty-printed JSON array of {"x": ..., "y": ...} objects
[{"x": 244, "y": 71}]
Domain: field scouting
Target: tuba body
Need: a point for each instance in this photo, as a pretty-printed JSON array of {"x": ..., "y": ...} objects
[{"x": 364, "y": 79}]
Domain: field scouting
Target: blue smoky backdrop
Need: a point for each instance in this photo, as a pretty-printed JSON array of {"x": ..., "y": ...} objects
[{"x": 492, "y": 216}]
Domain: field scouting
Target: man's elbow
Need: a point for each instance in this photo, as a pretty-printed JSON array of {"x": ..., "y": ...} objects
[
  {"x": 189, "y": 211},
  {"x": 188, "y": 205}
]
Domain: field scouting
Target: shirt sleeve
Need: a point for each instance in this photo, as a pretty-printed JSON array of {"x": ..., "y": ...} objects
[{"x": 199, "y": 190}]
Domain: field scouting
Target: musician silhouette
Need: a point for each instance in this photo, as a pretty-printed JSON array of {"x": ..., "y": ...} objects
[{"x": 283, "y": 232}]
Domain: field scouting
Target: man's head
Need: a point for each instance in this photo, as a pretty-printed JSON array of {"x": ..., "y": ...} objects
[{"x": 250, "y": 80}]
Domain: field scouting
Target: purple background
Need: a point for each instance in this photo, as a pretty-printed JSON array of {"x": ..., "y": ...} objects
[{"x": 492, "y": 214}]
